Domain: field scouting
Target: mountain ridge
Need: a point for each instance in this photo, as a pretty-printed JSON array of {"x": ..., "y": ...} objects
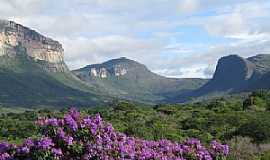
[
  {"x": 133, "y": 79},
  {"x": 33, "y": 72},
  {"x": 234, "y": 74},
  {"x": 14, "y": 37},
  {"x": 239, "y": 73}
]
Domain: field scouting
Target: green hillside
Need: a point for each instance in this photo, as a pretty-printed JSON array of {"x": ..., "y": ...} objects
[
  {"x": 137, "y": 83},
  {"x": 24, "y": 82}
]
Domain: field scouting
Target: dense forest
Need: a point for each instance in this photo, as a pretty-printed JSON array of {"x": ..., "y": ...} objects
[{"x": 242, "y": 123}]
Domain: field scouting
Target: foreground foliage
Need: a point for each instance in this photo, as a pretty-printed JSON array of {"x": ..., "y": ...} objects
[
  {"x": 242, "y": 122},
  {"x": 78, "y": 137}
]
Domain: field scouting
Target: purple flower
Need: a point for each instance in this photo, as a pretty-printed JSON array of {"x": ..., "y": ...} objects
[
  {"x": 28, "y": 142},
  {"x": 71, "y": 122},
  {"x": 193, "y": 141},
  {"x": 45, "y": 143},
  {"x": 226, "y": 149},
  {"x": 100, "y": 141},
  {"x": 74, "y": 113},
  {"x": 57, "y": 152},
  {"x": 61, "y": 133},
  {"x": 218, "y": 148},
  {"x": 98, "y": 119},
  {"x": 61, "y": 122},
  {"x": 52, "y": 122},
  {"x": 4, "y": 146},
  {"x": 68, "y": 140},
  {"x": 23, "y": 150},
  {"x": 4, "y": 156}
]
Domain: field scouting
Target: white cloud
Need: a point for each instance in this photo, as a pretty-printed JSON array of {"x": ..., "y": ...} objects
[
  {"x": 188, "y": 6},
  {"x": 17, "y": 8},
  {"x": 150, "y": 32},
  {"x": 227, "y": 25},
  {"x": 191, "y": 72},
  {"x": 96, "y": 50},
  {"x": 239, "y": 21}
]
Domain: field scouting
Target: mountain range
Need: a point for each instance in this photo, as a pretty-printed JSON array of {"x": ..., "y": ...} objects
[
  {"x": 234, "y": 74},
  {"x": 33, "y": 73},
  {"x": 131, "y": 80}
]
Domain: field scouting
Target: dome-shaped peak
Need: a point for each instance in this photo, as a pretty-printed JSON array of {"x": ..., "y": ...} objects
[
  {"x": 233, "y": 68},
  {"x": 231, "y": 57}
]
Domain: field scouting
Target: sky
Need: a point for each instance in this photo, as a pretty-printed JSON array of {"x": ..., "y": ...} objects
[{"x": 174, "y": 38}]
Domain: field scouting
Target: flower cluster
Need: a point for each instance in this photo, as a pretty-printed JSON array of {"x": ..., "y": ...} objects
[
  {"x": 219, "y": 149},
  {"x": 90, "y": 138}
]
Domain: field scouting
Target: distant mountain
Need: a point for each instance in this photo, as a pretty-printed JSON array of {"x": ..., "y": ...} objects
[
  {"x": 262, "y": 67},
  {"x": 237, "y": 74},
  {"x": 129, "y": 79},
  {"x": 16, "y": 39},
  {"x": 33, "y": 72},
  {"x": 234, "y": 74}
]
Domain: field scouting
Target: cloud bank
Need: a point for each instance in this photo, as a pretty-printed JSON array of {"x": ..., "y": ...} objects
[{"x": 176, "y": 38}]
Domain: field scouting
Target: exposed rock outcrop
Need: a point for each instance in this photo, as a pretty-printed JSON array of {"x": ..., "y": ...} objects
[
  {"x": 103, "y": 73},
  {"x": 93, "y": 72},
  {"x": 98, "y": 72},
  {"x": 119, "y": 70},
  {"x": 115, "y": 69},
  {"x": 261, "y": 62},
  {"x": 132, "y": 80},
  {"x": 233, "y": 69},
  {"x": 14, "y": 36},
  {"x": 236, "y": 74}
]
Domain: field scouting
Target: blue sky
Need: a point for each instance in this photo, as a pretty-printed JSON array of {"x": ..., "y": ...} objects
[{"x": 175, "y": 38}]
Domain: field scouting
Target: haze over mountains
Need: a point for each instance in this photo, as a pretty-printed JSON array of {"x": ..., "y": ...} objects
[{"x": 33, "y": 73}]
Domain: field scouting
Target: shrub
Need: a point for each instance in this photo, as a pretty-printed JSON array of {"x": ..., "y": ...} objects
[
  {"x": 265, "y": 155},
  {"x": 242, "y": 148},
  {"x": 258, "y": 129},
  {"x": 90, "y": 138}
]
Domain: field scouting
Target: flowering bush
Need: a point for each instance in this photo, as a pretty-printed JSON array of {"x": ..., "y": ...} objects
[{"x": 89, "y": 138}]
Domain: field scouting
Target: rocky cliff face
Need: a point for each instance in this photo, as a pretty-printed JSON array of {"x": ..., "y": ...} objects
[
  {"x": 14, "y": 36},
  {"x": 261, "y": 62},
  {"x": 128, "y": 79},
  {"x": 235, "y": 74},
  {"x": 103, "y": 73},
  {"x": 233, "y": 70},
  {"x": 119, "y": 70},
  {"x": 115, "y": 68}
]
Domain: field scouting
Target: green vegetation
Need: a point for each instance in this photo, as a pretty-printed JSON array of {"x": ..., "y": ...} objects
[
  {"x": 138, "y": 83},
  {"x": 24, "y": 83},
  {"x": 235, "y": 121}
]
